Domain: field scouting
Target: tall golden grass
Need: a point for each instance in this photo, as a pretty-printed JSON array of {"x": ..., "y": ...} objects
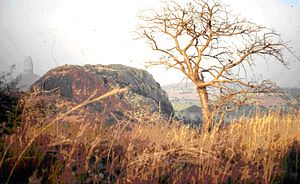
[{"x": 151, "y": 149}]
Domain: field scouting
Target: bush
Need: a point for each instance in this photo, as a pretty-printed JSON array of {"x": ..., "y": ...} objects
[{"x": 9, "y": 97}]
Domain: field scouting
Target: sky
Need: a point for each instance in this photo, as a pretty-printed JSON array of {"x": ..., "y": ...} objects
[{"x": 57, "y": 32}]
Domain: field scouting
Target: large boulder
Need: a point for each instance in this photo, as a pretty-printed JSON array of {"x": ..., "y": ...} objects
[{"x": 64, "y": 87}]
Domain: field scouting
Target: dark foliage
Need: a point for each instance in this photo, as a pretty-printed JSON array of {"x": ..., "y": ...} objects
[
  {"x": 9, "y": 106},
  {"x": 291, "y": 165}
]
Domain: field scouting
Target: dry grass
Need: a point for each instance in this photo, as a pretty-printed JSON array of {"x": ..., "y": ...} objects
[
  {"x": 247, "y": 150},
  {"x": 151, "y": 149}
]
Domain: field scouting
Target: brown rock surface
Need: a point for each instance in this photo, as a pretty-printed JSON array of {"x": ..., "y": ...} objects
[{"x": 64, "y": 87}]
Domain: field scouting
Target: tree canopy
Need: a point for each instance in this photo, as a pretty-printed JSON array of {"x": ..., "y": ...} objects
[{"x": 212, "y": 47}]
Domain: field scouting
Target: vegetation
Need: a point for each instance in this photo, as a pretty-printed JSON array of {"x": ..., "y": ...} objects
[
  {"x": 149, "y": 148},
  {"x": 213, "y": 48},
  {"x": 263, "y": 149},
  {"x": 9, "y": 102}
]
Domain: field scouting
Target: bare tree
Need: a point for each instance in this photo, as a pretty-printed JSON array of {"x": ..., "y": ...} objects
[{"x": 211, "y": 46}]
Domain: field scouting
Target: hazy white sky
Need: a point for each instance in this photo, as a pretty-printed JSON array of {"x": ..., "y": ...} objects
[{"x": 56, "y": 32}]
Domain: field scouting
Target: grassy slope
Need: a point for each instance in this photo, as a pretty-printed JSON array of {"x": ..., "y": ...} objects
[{"x": 152, "y": 149}]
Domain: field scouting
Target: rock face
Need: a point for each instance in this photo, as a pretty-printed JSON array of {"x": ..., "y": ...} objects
[
  {"x": 28, "y": 77},
  {"x": 64, "y": 87}
]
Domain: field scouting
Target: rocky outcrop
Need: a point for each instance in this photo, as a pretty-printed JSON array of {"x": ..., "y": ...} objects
[
  {"x": 66, "y": 86},
  {"x": 28, "y": 77}
]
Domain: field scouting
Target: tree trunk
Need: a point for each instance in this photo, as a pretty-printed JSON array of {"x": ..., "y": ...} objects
[{"x": 206, "y": 113}]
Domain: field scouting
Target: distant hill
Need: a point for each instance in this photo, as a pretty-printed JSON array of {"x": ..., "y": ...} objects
[
  {"x": 185, "y": 94},
  {"x": 192, "y": 114},
  {"x": 185, "y": 101}
]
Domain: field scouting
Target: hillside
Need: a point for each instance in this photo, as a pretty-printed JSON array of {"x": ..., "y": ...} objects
[
  {"x": 57, "y": 136},
  {"x": 186, "y": 94},
  {"x": 185, "y": 101}
]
